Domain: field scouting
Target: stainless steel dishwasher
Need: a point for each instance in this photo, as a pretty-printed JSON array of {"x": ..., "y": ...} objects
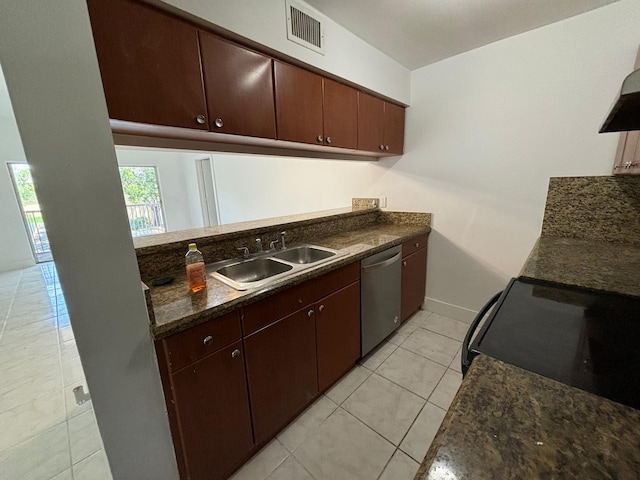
[{"x": 380, "y": 278}]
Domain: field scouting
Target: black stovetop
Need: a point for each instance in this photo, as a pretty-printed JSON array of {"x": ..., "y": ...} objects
[{"x": 589, "y": 340}]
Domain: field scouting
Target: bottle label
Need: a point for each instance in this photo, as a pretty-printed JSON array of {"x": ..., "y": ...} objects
[{"x": 196, "y": 273}]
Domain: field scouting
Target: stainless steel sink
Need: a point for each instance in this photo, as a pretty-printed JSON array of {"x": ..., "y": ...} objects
[
  {"x": 254, "y": 270},
  {"x": 269, "y": 266},
  {"x": 304, "y": 254}
]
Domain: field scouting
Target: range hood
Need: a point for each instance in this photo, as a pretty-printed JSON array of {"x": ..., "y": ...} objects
[{"x": 625, "y": 113}]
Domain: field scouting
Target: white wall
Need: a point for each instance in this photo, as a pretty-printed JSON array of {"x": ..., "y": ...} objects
[
  {"x": 253, "y": 187},
  {"x": 347, "y": 56},
  {"x": 177, "y": 180},
  {"x": 51, "y": 70},
  {"x": 486, "y": 130},
  {"x": 15, "y": 251}
]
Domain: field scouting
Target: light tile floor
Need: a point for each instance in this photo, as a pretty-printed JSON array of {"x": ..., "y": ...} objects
[
  {"x": 375, "y": 423},
  {"x": 379, "y": 420},
  {"x": 44, "y": 434}
]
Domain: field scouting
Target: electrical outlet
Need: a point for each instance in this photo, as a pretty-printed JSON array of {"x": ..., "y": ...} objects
[{"x": 383, "y": 202}]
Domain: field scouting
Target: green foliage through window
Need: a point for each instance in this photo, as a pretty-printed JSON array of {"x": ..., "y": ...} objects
[{"x": 139, "y": 185}]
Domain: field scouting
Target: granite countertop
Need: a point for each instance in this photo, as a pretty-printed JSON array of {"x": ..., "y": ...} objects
[
  {"x": 592, "y": 264},
  {"x": 506, "y": 422},
  {"x": 174, "y": 309}
]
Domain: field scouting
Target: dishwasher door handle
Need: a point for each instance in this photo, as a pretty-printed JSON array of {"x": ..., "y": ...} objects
[{"x": 384, "y": 263}]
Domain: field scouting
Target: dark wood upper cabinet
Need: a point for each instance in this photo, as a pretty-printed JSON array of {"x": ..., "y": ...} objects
[
  {"x": 281, "y": 371},
  {"x": 370, "y": 123},
  {"x": 239, "y": 87},
  {"x": 393, "y": 128},
  {"x": 340, "y": 109},
  {"x": 337, "y": 334},
  {"x": 298, "y": 104},
  {"x": 380, "y": 125},
  {"x": 212, "y": 406},
  {"x": 313, "y": 109},
  {"x": 149, "y": 63}
]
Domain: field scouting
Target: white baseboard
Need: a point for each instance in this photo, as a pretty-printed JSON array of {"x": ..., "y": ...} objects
[
  {"x": 16, "y": 265},
  {"x": 448, "y": 310}
]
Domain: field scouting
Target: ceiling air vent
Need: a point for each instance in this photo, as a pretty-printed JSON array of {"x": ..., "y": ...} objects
[{"x": 304, "y": 27}]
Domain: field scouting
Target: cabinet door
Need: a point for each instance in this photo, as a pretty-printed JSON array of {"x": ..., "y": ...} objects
[
  {"x": 414, "y": 282},
  {"x": 393, "y": 128},
  {"x": 298, "y": 104},
  {"x": 370, "y": 123},
  {"x": 281, "y": 371},
  {"x": 337, "y": 334},
  {"x": 150, "y": 64},
  {"x": 340, "y": 110},
  {"x": 212, "y": 408},
  {"x": 239, "y": 87}
]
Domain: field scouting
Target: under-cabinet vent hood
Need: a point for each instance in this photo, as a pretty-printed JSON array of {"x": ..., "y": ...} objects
[{"x": 625, "y": 113}]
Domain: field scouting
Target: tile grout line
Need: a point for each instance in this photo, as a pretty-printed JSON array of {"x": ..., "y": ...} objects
[{"x": 13, "y": 298}]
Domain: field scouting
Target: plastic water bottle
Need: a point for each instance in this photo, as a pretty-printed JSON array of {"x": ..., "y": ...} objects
[{"x": 196, "y": 275}]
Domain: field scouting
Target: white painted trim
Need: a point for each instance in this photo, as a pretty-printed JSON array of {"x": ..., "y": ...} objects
[{"x": 446, "y": 309}]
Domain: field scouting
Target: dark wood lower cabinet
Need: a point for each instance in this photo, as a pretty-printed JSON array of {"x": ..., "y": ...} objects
[
  {"x": 212, "y": 410},
  {"x": 337, "y": 334},
  {"x": 414, "y": 282},
  {"x": 281, "y": 371}
]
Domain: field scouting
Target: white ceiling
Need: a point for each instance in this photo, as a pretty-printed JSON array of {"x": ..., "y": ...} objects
[{"x": 419, "y": 32}]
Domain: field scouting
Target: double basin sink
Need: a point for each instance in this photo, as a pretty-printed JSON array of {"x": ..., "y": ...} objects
[{"x": 266, "y": 267}]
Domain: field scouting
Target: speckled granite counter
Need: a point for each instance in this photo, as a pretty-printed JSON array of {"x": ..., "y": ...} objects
[
  {"x": 591, "y": 264},
  {"x": 506, "y": 423},
  {"x": 172, "y": 308}
]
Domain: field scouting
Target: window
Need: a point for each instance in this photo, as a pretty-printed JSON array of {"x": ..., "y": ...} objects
[{"x": 142, "y": 196}]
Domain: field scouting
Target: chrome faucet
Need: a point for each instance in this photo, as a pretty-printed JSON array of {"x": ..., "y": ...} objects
[
  {"x": 272, "y": 245},
  {"x": 245, "y": 252},
  {"x": 282, "y": 244},
  {"x": 258, "y": 245}
]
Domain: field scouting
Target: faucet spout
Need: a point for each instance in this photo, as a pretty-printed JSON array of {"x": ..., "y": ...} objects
[
  {"x": 258, "y": 244},
  {"x": 282, "y": 244}
]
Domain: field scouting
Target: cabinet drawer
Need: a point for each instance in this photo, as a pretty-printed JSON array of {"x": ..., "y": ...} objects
[
  {"x": 414, "y": 244},
  {"x": 185, "y": 347},
  {"x": 264, "y": 312}
]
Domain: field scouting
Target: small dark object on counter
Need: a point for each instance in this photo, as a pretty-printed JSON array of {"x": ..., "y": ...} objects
[{"x": 158, "y": 282}]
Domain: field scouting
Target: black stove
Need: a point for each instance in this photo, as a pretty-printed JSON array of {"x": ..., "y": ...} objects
[{"x": 589, "y": 340}]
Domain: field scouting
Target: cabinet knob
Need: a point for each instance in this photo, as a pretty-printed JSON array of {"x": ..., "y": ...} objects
[
  {"x": 381, "y": 147},
  {"x": 300, "y": 301},
  {"x": 310, "y": 313},
  {"x": 404, "y": 264},
  {"x": 235, "y": 353},
  {"x": 207, "y": 339},
  {"x": 329, "y": 140},
  {"x": 395, "y": 319},
  {"x": 218, "y": 123},
  {"x": 321, "y": 308},
  {"x": 417, "y": 245},
  {"x": 319, "y": 138},
  {"x": 201, "y": 119},
  {"x": 386, "y": 147}
]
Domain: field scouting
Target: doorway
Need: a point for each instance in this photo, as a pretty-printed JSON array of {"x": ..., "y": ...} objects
[{"x": 30, "y": 209}]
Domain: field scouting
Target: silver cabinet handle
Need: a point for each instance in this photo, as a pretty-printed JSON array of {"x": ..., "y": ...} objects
[
  {"x": 417, "y": 245},
  {"x": 310, "y": 313},
  {"x": 381, "y": 147},
  {"x": 329, "y": 140},
  {"x": 404, "y": 264},
  {"x": 218, "y": 123},
  {"x": 319, "y": 138},
  {"x": 207, "y": 339},
  {"x": 235, "y": 353},
  {"x": 386, "y": 147},
  {"x": 395, "y": 319},
  {"x": 320, "y": 308},
  {"x": 201, "y": 119}
]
